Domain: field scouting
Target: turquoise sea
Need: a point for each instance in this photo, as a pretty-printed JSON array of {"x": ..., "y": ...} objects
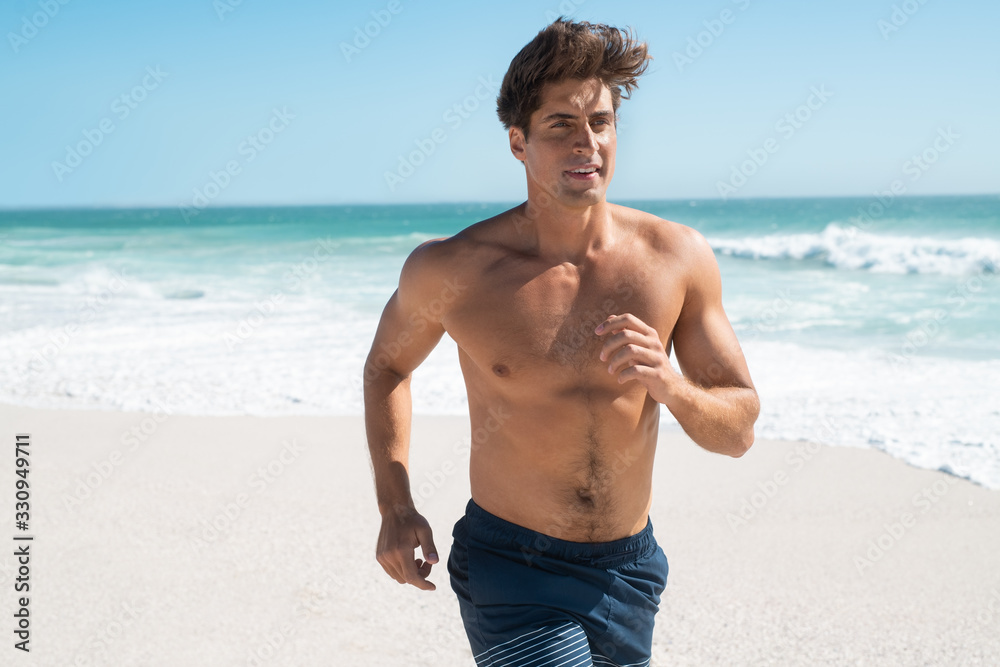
[{"x": 866, "y": 323}]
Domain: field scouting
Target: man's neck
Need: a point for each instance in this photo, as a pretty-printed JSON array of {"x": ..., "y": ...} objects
[{"x": 562, "y": 233}]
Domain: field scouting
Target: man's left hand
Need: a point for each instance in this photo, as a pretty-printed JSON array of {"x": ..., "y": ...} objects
[{"x": 634, "y": 352}]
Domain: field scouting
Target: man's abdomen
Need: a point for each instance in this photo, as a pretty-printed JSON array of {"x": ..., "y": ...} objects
[{"x": 570, "y": 469}]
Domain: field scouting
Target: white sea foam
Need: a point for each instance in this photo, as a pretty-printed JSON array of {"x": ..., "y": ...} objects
[
  {"x": 932, "y": 412},
  {"x": 848, "y": 247},
  {"x": 307, "y": 358}
]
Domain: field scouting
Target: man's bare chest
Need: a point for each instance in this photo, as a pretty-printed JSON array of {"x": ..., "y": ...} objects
[{"x": 540, "y": 324}]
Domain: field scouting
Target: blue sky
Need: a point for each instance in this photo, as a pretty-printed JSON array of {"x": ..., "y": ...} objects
[{"x": 111, "y": 103}]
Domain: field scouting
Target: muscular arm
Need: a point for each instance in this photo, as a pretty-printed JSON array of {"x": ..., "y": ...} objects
[
  {"x": 406, "y": 334},
  {"x": 714, "y": 400}
]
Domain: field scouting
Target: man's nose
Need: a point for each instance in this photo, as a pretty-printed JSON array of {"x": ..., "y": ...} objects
[{"x": 585, "y": 140}]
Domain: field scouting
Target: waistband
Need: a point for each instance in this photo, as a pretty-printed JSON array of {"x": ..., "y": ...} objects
[{"x": 499, "y": 533}]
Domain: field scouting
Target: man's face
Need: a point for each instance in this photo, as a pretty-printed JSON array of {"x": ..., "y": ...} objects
[{"x": 572, "y": 130}]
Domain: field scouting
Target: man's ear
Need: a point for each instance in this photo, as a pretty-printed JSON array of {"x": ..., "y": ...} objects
[{"x": 517, "y": 141}]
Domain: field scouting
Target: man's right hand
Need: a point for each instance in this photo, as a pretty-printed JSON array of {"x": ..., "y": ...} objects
[{"x": 401, "y": 533}]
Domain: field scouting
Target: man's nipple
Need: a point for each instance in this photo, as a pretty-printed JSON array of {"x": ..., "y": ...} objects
[{"x": 501, "y": 370}]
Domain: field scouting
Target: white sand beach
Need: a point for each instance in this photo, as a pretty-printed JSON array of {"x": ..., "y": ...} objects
[{"x": 181, "y": 540}]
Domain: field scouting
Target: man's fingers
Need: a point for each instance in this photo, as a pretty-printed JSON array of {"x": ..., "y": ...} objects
[
  {"x": 605, "y": 325},
  {"x": 412, "y": 571},
  {"x": 409, "y": 569},
  {"x": 618, "y": 322},
  {"x": 631, "y": 354},
  {"x": 618, "y": 340},
  {"x": 416, "y": 574},
  {"x": 424, "y": 569},
  {"x": 389, "y": 565},
  {"x": 395, "y": 574},
  {"x": 418, "y": 570},
  {"x": 425, "y": 537},
  {"x": 398, "y": 540},
  {"x": 634, "y": 373}
]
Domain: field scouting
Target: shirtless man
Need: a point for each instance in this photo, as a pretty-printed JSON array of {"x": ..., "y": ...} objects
[{"x": 564, "y": 310}]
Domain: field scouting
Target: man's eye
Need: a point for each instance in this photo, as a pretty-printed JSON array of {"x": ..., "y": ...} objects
[{"x": 560, "y": 124}]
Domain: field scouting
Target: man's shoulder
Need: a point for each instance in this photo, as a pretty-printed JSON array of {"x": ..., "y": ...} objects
[
  {"x": 663, "y": 237},
  {"x": 462, "y": 250}
]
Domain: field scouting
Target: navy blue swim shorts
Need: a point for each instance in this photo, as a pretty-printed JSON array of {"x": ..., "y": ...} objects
[{"x": 529, "y": 600}]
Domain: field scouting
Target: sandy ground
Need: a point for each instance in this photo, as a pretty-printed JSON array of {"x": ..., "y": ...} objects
[{"x": 176, "y": 540}]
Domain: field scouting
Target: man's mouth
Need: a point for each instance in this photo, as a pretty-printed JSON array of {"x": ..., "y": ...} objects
[{"x": 584, "y": 173}]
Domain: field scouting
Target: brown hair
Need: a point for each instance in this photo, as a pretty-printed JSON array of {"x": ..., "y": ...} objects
[{"x": 569, "y": 50}]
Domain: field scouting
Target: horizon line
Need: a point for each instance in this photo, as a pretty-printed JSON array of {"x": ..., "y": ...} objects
[{"x": 148, "y": 207}]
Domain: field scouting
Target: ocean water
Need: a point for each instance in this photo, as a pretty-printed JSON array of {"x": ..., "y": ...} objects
[{"x": 865, "y": 323}]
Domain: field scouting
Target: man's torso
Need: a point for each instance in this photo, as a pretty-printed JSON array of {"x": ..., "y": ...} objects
[{"x": 558, "y": 445}]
